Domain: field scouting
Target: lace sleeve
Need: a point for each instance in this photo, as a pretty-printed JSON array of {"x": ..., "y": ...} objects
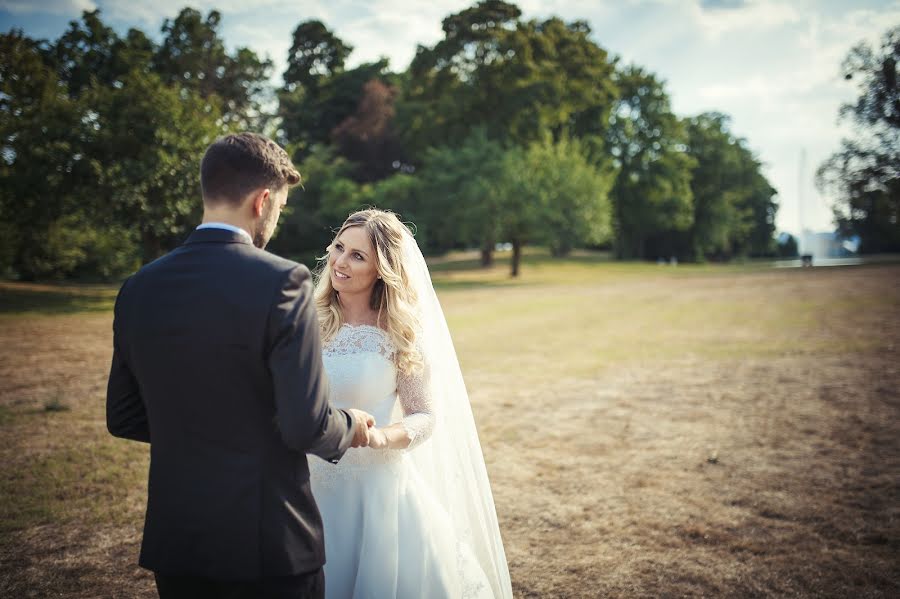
[{"x": 414, "y": 391}]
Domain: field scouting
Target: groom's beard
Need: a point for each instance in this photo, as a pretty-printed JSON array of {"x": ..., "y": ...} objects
[{"x": 264, "y": 232}]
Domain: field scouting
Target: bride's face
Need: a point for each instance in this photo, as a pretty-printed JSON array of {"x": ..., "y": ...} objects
[{"x": 352, "y": 259}]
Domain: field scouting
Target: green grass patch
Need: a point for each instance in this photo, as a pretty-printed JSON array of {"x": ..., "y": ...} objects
[
  {"x": 21, "y": 299},
  {"x": 463, "y": 270},
  {"x": 604, "y": 315},
  {"x": 6, "y": 416},
  {"x": 95, "y": 480}
]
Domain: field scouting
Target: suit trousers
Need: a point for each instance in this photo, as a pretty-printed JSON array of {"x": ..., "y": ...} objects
[{"x": 310, "y": 585}]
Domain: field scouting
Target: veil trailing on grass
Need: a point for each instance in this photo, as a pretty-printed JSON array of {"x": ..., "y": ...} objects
[{"x": 450, "y": 462}]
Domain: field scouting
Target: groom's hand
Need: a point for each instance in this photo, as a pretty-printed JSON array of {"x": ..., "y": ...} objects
[{"x": 362, "y": 422}]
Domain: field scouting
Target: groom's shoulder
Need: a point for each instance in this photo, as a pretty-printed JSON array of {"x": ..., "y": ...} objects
[
  {"x": 278, "y": 265},
  {"x": 245, "y": 264},
  {"x": 239, "y": 254},
  {"x": 274, "y": 261},
  {"x": 257, "y": 267}
]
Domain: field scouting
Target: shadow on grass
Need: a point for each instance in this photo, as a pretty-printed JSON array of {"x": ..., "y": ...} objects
[
  {"x": 530, "y": 257},
  {"x": 463, "y": 284},
  {"x": 27, "y": 298},
  {"x": 463, "y": 270}
]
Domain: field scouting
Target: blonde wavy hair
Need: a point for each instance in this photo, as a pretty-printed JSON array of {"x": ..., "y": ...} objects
[{"x": 393, "y": 297}]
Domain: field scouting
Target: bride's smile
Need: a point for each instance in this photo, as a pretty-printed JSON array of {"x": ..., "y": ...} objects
[{"x": 352, "y": 263}]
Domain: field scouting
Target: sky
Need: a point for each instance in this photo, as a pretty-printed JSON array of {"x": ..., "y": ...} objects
[{"x": 773, "y": 66}]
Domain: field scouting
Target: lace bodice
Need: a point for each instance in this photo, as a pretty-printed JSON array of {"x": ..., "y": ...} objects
[{"x": 361, "y": 369}]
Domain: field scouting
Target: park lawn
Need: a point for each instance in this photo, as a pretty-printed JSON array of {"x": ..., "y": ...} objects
[
  {"x": 595, "y": 314},
  {"x": 727, "y": 430},
  {"x": 33, "y": 299}
]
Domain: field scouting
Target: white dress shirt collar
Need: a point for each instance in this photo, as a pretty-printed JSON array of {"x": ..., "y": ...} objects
[{"x": 227, "y": 227}]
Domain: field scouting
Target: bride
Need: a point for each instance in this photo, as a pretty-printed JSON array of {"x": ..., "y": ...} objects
[{"x": 411, "y": 515}]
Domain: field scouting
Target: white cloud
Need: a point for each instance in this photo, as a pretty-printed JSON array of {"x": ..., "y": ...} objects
[
  {"x": 52, "y": 7},
  {"x": 389, "y": 28},
  {"x": 150, "y": 15},
  {"x": 753, "y": 15}
]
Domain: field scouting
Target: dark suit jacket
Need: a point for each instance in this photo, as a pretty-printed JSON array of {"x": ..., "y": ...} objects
[{"x": 217, "y": 364}]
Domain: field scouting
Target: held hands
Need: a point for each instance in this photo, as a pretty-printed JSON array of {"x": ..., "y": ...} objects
[
  {"x": 377, "y": 439},
  {"x": 363, "y": 424},
  {"x": 365, "y": 434}
]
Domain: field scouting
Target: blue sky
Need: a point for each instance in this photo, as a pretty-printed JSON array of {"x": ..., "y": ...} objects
[{"x": 772, "y": 65}]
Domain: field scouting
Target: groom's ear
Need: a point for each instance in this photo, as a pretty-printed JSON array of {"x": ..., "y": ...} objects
[{"x": 259, "y": 201}]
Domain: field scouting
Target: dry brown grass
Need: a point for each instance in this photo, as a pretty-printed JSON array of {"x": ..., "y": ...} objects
[{"x": 648, "y": 433}]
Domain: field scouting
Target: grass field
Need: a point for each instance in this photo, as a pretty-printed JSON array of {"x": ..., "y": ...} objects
[{"x": 650, "y": 431}]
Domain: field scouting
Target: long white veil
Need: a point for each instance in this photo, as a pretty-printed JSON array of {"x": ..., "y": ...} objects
[{"x": 450, "y": 462}]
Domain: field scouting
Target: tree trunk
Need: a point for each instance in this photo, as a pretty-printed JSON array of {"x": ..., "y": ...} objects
[
  {"x": 561, "y": 249},
  {"x": 516, "y": 257},
  {"x": 487, "y": 254}
]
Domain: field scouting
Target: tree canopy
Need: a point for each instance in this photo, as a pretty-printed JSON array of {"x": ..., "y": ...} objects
[
  {"x": 506, "y": 130},
  {"x": 864, "y": 175}
]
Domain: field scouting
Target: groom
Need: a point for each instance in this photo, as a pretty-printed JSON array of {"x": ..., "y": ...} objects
[{"x": 216, "y": 363}]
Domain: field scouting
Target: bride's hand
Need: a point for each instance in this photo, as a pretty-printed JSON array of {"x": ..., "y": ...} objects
[{"x": 377, "y": 439}]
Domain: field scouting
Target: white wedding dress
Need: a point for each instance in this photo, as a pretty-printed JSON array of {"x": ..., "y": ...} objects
[{"x": 386, "y": 534}]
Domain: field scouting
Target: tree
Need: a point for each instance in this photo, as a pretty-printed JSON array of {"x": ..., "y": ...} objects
[
  {"x": 573, "y": 195},
  {"x": 713, "y": 184},
  {"x": 42, "y": 168},
  {"x": 446, "y": 89},
  {"x": 102, "y": 138},
  {"x": 734, "y": 210},
  {"x": 864, "y": 175},
  {"x": 400, "y": 193},
  {"x": 652, "y": 195},
  {"x": 460, "y": 195},
  {"x": 367, "y": 137},
  {"x": 88, "y": 50},
  {"x": 193, "y": 56},
  {"x": 316, "y": 97},
  {"x": 147, "y": 142},
  {"x": 551, "y": 193},
  {"x": 761, "y": 207},
  {"x": 59, "y": 219},
  {"x": 515, "y": 80},
  {"x": 787, "y": 246},
  {"x": 483, "y": 192},
  {"x": 557, "y": 81},
  {"x": 315, "y": 54},
  {"x": 310, "y": 119}
]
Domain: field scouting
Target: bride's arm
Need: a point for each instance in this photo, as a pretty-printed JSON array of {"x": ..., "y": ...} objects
[{"x": 418, "y": 414}]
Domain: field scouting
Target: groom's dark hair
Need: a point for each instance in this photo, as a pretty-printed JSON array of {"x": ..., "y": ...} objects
[{"x": 236, "y": 165}]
